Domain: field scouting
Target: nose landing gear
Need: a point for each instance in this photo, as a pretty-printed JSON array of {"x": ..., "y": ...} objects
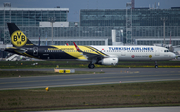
[{"x": 156, "y": 65}]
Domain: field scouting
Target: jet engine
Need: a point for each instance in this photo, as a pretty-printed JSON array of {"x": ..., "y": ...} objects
[{"x": 108, "y": 61}]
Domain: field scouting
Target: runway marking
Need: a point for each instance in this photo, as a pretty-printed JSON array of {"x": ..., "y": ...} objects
[
  {"x": 100, "y": 83},
  {"x": 89, "y": 78}
]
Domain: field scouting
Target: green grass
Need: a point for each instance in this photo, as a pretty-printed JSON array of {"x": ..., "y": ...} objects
[
  {"x": 166, "y": 93},
  {"x": 80, "y": 64}
]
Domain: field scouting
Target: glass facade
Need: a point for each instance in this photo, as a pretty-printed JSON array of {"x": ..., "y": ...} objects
[
  {"x": 94, "y": 24},
  {"x": 157, "y": 41},
  {"x": 146, "y": 23},
  {"x": 32, "y": 16},
  {"x": 27, "y": 19},
  {"x": 70, "y": 42},
  {"x": 140, "y": 17},
  {"x": 103, "y": 17}
]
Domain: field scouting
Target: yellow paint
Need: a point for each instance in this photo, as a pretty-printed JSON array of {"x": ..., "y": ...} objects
[
  {"x": 61, "y": 71},
  {"x": 47, "y": 89},
  {"x": 18, "y": 38},
  {"x": 71, "y": 50},
  {"x": 150, "y": 56},
  {"x": 29, "y": 55},
  {"x": 11, "y": 48},
  {"x": 67, "y": 71},
  {"x": 96, "y": 51},
  {"x": 82, "y": 58},
  {"x": 25, "y": 54},
  {"x": 53, "y": 49}
]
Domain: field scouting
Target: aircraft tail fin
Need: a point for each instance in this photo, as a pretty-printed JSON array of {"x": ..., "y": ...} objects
[
  {"x": 77, "y": 48},
  {"x": 18, "y": 38}
]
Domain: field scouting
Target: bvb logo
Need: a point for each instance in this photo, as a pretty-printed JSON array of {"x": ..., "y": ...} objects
[{"x": 18, "y": 38}]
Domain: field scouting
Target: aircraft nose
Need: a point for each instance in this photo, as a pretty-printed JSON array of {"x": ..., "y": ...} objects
[{"x": 173, "y": 55}]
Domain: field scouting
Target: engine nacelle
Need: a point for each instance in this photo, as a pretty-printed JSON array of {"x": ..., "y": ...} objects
[{"x": 108, "y": 61}]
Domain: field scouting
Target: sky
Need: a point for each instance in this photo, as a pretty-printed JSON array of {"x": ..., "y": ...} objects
[{"x": 76, "y": 5}]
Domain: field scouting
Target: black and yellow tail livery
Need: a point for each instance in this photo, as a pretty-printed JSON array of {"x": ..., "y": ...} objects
[{"x": 18, "y": 38}]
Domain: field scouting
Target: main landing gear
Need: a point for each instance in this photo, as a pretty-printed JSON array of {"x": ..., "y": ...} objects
[
  {"x": 91, "y": 66},
  {"x": 156, "y": 65}
]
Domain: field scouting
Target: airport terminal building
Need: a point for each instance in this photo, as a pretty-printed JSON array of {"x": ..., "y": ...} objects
[
  {"x": 37, "y": 23},
  {"x": 141, "y": 26},
  {"x": 28, "y": 20}
]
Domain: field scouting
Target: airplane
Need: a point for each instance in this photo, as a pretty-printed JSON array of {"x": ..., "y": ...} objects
[{"x": 103, "y": 55}]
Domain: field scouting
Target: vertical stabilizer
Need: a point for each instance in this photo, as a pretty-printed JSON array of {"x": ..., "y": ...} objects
[{"x": 18, "y": 38}]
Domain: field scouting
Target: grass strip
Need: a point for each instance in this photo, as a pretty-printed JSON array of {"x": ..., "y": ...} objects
[
  {"x": 81, "y": 64},
  {"x": 164, "y": 93}
]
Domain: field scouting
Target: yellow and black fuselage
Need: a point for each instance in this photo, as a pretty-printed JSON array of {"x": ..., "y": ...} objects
[{"x": 54, "y": 52}]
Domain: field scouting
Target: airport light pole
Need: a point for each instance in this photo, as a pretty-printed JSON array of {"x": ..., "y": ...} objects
[
  {"x": 121, "y": 31},
  {"x": 129, "y": 38},
  {"x": 164, "y": 22},
  {"x": 52, "y": 20}
]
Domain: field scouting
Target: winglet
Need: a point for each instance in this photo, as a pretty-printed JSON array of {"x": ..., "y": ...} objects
[
  {"x": 67, "y": 44},
  {"x": 77, "y": 48}
]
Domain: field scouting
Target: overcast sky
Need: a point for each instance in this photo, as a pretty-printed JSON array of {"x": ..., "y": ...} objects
[{"x": 75, "y": 5}]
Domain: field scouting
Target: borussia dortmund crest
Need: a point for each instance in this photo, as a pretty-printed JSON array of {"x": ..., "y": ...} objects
[{"x": 18, "y": 38}]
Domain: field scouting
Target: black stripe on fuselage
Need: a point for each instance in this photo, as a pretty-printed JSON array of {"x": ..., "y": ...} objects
[{"x": 43, "y": 52}]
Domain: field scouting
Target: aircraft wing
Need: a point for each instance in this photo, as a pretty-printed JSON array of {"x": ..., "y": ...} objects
[{"x": 94, "y": 54}]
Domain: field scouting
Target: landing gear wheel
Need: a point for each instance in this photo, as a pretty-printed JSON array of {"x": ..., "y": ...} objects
[
  {"x": 91, "y": 66},
  {"x": 156, "y": 65}
]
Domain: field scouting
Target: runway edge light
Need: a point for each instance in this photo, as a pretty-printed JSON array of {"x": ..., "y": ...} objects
[{"x": 47, "y": 89}]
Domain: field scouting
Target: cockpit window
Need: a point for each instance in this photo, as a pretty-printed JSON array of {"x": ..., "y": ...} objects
[{"x": 166, "y": 50}]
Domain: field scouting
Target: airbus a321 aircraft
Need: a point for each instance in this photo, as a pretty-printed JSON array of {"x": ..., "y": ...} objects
[{"x": 103, "y": 55}]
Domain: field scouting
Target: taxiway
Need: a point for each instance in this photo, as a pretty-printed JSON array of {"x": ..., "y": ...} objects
[{"x": 111, "y": 76}]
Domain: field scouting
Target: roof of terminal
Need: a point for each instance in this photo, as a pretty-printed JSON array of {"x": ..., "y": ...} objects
[{"x": 36, "y": 9}]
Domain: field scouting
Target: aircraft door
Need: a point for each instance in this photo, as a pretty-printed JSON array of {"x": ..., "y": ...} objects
[
  {"x": 35, "y": 51},
  {"x": 123, "y": 53},
  {"x": 157, "y": 52}
]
